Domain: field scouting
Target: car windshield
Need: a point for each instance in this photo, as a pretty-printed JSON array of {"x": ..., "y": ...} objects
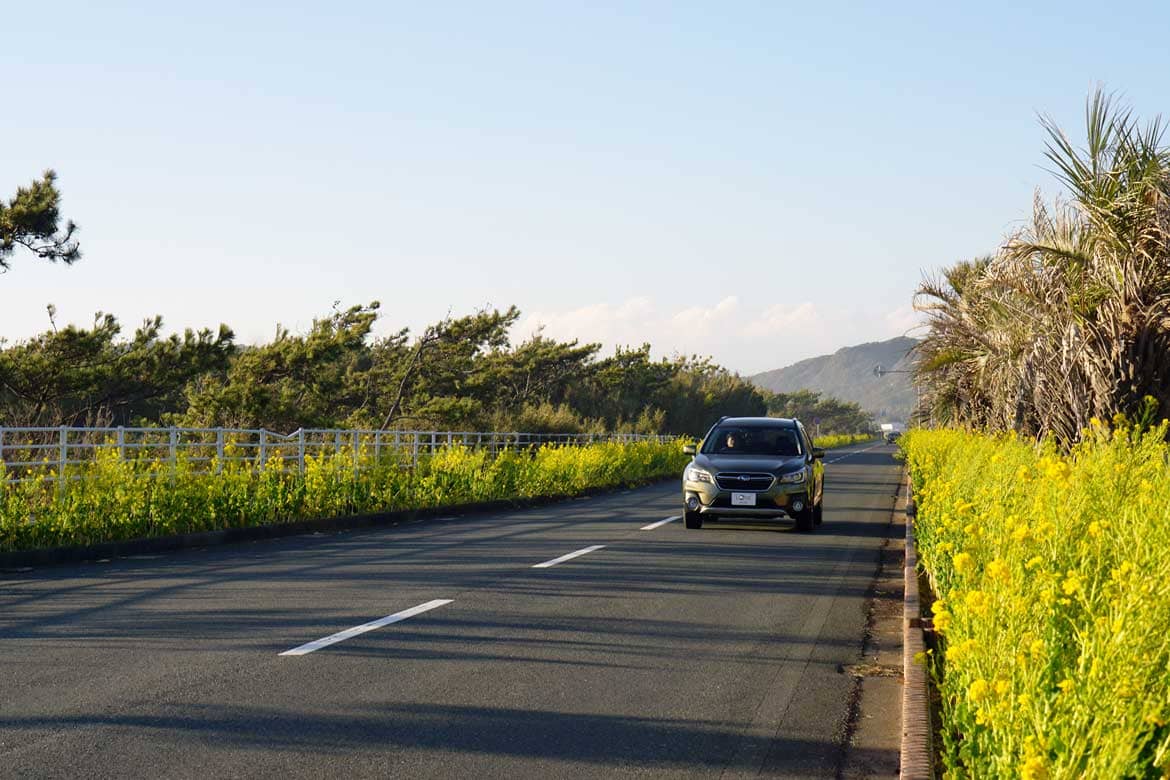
[{"x": 742, "y": 440}]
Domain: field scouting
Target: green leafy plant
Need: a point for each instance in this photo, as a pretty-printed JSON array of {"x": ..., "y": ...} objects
[{"x": 111, "y": 498}]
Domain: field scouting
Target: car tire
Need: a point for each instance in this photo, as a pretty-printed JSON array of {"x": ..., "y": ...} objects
[
  {"x": 804, "y": 519},
  {"x": 819, "y": 513},
  {"x": 692, "y": 519}
]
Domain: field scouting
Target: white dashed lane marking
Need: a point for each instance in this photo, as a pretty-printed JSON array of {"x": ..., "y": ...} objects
[
  {"x": 851, "y": 454},
  {"x": 349, "y": 633},
  {"x": 652, "y": 526},
  {"x": 569, "y": 557}
]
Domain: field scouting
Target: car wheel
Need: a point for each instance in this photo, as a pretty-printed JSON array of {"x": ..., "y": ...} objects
[
  {"x": 804, "y": 519},
  {"x": 819, "y": 514},
  {"x": 692, "y": 519}
]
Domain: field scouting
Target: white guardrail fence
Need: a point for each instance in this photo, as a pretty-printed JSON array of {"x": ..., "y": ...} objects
[{"x": 45, "y": 453}]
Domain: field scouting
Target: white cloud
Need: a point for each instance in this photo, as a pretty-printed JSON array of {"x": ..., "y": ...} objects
[
  {"x": 780, "y": 319},
  {"x": 706, "y": 317},
  {"x": 904, "y": 321}
]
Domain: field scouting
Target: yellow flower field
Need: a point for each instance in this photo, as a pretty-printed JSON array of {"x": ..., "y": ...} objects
[
  {"x": 1052, "y": 578},
  {"x": 830, "y": 441},
  {"x": 111, "y": 499}
]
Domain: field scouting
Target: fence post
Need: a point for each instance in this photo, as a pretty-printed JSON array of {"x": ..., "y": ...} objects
[
  {"x": 218, "y": 450},
  {"x": 172, "y": 448},
  {"x": 301, "y": 450},
  {"x": 337, "y": 442},
  {"x": 1, "y": 443},
  {"x": 377, "y": 446},
  {"x": 121, "y": 443},
  {"x": 357, "y": 450},
  {"x": 63, "y": 455},
  {"x": 263, "y": 446},
  {"x": 414, "y": 450}
]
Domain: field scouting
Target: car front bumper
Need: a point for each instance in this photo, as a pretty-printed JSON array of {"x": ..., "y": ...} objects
[{"x": 776, "y": 501}]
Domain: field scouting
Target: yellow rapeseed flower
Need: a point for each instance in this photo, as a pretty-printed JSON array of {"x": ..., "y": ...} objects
[
  {"x": 999, "y": 571},
  {"x": 978, "y": 602},
  {"x": 1034, "y": 562},
  {"x": 1034, "y": 769},
  {"x": 978, "y": 690},
  {"x": 1002, "y": 687},
  {"x": 956, "y": 653},
  {"x": 1072, "y": 583},
  {"x": 1066, "y": 685},
  {"x": 963, "y": 563},
  {"x": 942, "y": 621}
]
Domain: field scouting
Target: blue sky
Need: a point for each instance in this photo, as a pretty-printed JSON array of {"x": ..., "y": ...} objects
[{"x": 761, "y": 182}]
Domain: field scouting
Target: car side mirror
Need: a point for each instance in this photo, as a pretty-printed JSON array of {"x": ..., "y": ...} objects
[
  {"x": 818, "y": 453},
  {"x": 688, "y": 449}
]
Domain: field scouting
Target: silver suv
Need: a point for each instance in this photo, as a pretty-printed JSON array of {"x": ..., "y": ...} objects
[{"x": 761, "y": 467}]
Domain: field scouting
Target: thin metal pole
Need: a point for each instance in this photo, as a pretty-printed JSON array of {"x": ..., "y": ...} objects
[{"x": 63, "y": 456}]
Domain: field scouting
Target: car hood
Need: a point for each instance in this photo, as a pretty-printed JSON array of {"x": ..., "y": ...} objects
[{"x": 718, "y": 463}]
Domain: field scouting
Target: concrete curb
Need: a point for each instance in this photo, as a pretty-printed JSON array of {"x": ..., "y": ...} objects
[
  {"x": 917, "y": 750},
  {"x": 60, "y": 555}
]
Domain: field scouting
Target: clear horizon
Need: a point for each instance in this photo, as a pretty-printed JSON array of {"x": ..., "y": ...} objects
[{"x": 757, "y": 183}]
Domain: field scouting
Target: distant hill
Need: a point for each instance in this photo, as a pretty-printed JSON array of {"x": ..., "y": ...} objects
[{"x": 848, "y": 374}]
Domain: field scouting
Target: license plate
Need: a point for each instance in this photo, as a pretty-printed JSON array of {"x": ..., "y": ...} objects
[{"x": 743, "y": 499}]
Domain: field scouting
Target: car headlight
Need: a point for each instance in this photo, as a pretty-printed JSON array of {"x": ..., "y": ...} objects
[
  {"x": 796, "y": 476},
  {"x": 698, "y": 475}
]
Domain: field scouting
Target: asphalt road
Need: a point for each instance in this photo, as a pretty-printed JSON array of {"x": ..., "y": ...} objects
[{"x": 666, "y": 652}]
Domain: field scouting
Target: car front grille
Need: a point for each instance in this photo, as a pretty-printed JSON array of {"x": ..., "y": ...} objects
[{"x": 734, "y": 480}]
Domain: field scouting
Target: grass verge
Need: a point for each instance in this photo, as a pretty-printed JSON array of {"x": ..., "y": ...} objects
[{"x": 111, "y": 500}]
